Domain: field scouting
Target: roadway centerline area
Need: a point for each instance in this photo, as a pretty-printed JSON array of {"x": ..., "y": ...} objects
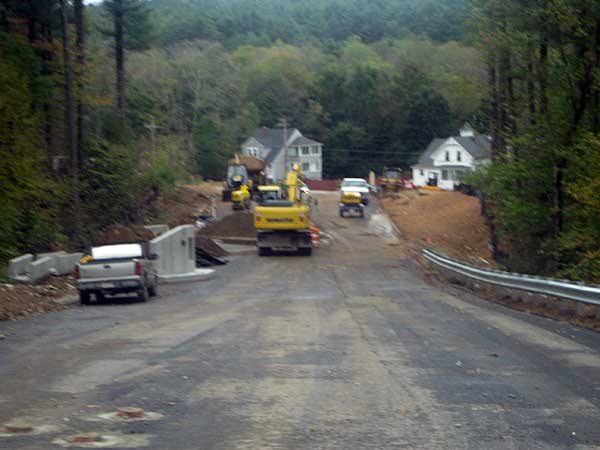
[{"x": 346, "y": 349}]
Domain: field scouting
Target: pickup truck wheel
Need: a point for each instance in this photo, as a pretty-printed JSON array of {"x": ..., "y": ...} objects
[
  {"x": 143, "y": 294},
  {"x": 264, "y": 251},
  {"x": 84, "y": 297},
  {"x": 153, "y": 291}
]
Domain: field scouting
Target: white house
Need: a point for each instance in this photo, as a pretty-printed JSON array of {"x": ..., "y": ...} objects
[
  {"x": 446, "y": 160},
  {"x": 268, "y": 144}
]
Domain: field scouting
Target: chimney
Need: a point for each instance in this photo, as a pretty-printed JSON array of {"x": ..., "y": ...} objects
[{"x": 467, "y": 131}]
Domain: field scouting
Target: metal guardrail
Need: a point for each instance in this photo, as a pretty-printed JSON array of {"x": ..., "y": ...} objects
[{"x": 557, "y": 288}]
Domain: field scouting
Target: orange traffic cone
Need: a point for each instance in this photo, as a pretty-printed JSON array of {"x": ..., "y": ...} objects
[{"x": 315, "y": 237}]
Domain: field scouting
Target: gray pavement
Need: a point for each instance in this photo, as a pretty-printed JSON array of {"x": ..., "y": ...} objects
[{"x": 348, "y": 349}]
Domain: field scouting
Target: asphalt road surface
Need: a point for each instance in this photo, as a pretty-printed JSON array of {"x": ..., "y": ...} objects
[{"x": 347, "y": 349}]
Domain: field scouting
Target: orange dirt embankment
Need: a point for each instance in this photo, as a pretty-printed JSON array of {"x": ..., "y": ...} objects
[
  {"x": 183, "y": 205},
  {"x": 449, "y": 222}
]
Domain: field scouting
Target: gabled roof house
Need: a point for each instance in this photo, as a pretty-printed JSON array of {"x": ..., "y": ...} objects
[
  {"x": 268, "y": 144},
  {"x": 445, "y": 161}
]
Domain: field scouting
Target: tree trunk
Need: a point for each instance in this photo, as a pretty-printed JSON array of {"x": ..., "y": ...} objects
[
  {"x": 543, "y": 78},
  {"x": 531, "y": 94},
  {"x": 80, "y": 43},
  {"x": 71, "y": 136},
  {"x": 492, "y": 85},
  {"x": 119, "y": 57},
  {"x": 512, "y": 110}
]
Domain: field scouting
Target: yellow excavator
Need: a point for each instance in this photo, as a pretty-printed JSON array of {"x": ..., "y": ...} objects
[{"x": 284, "y": 223}]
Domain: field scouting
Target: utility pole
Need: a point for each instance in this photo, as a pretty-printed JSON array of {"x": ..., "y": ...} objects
[{"x": 284, "y": 123}]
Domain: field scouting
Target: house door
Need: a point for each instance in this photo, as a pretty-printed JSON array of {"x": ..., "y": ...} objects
[{"x": 432, "y": 179}]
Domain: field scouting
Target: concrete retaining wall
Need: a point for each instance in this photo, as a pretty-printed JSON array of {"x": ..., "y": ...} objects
[
  {"x": 18, "y": 266},
  {"x": 176, "y": 250}
]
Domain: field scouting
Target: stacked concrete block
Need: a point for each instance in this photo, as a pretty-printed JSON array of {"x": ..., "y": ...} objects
[
  {"x": 64, "y": 264},
  {"x": 18, "y": 266},
  {"x": 40, "y": 269},
  {"x": 26, "y": 269}
]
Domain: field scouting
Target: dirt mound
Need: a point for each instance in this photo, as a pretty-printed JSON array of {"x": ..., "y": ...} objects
[
  {"x": 252, "y": 164},
  {"x": 235, "y": 225},
  {"x": 447, "y": 221},
  {"x": 209, "y": 246},
  {"x": 182, "y": 206},
  {"x": 119, "y": 234}
]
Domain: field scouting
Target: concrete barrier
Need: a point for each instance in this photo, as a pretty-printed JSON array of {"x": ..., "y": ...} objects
[
  {"x": 39, "y": 269},
  {"x": 53, "y": 256},
  {"x": 176, "y": 250},
  {"x": 64, "y": 264},
  {"x": 18, "y": 266},
  {"x": 157, "y": 230}
]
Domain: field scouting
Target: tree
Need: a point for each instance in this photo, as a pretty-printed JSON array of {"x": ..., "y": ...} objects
[
  {"x": 70, "y": 131},
  {"x": 131, "y": 31},
  {"x": 80, "y": 32}
]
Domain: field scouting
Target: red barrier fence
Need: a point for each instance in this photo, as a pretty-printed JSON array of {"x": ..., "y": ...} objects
[{"x": 322, "y": 185}]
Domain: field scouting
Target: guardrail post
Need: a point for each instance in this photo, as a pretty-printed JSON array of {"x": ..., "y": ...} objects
[
  {"x": 580, "y": 309},
  {"x": 565, "y": 305}
]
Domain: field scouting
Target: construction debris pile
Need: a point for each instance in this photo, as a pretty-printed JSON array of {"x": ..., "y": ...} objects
[
  {"x": 235, "y": 225},
  {"x": 208, "y": 252}
]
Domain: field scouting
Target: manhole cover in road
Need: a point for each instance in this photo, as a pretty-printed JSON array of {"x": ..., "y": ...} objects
[
  {"x": 99, "y": 440},
  {"x": 127, "y": 414},
  {"x": 21, "y": 427}
]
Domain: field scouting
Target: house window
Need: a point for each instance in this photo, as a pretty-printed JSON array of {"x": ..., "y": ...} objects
[
  {"x": 315, "y": 150},
  {"x": 314, "y": 166},
  {"x": 447, "y": 156},
  {"x": 421, "y": 172},
  {"x": 252, "y": 151},
  {"x": 458, "y": 156},
  {"x": 445, "y": 173},
  {"x": 305, "y": 167}
]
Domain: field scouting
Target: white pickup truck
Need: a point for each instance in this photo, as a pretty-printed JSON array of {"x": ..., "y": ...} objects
[{"x": 117, "y": 269}]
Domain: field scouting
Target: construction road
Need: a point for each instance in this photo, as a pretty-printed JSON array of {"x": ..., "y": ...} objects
[{"x": 347, "y": 349}]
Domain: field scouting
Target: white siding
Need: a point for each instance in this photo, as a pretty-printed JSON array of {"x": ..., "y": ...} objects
[{"x": 453, "y": 148}]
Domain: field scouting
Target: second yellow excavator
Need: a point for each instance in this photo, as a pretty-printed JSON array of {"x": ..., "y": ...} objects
[{"x": 284, "y": 223}]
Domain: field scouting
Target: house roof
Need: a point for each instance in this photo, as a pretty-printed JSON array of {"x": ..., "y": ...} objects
[
  {"x": 273, "y": 138},
  {"x": 425, "y": 159},
  {"x": 478, "y": 147},
  {"x": 270, "y": 137},
  {"x": 303, "y": 140}
]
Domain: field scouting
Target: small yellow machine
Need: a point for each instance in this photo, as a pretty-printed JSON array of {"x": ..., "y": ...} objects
[
  {"x": 350, "y": 203},
  {"x": 391, "y": 181},
  {"x": 241, "y": 198},
  {"x": 284, "y": 223}
]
